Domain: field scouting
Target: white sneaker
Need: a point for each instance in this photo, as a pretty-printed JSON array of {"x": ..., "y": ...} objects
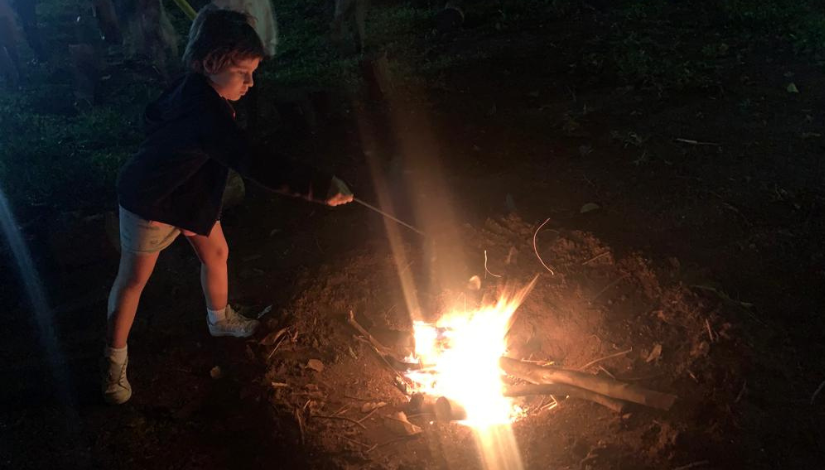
[
  {"x": 116, "y": 387},
  {"x": 233, "y": 324}
]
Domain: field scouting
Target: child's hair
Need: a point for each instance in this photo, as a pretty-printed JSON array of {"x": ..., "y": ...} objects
[{"x": 219, "y": 38}]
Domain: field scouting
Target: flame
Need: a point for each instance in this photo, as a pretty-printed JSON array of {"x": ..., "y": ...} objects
[{"x": 460, "y": 356}]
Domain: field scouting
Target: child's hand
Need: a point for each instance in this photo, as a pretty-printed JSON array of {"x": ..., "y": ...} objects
[{"x": 339, "y": 193}]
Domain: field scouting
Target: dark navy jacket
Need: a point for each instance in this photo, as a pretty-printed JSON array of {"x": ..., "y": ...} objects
[{"x": 179, "y": 173}]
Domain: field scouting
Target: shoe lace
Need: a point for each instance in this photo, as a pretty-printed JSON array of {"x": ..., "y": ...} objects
[
  {"x": 234, "y": 318},
  {"x": 120, "y": 375}
]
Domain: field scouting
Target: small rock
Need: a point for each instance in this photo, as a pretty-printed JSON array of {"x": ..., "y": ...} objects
[{"x": 216, "y": 372}]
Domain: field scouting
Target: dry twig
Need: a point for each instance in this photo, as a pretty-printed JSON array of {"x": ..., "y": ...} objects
[
  {"x": 596, "y": 257},
  {"x": 741, "y": 392},
  {"x": 535, "y": 248},
  {"x": 697, "y": 142},
  {"x": 342, "y": 418},
  {"x": 692, "y": 465},
  {"x": 374, "y": 342},
  {"x": 607, "y": 372},
  {"x": 276, "y": 347},
  {"x": 393, "y": 441},
  {"x": 368, "y": 415},
  {"x": 818, "y": 389},
  {"x": 605, "y": 358},
  {"x": 300, "y": 423},
  {"x": 357, "y": 398},
  {"x": 354, "y": 441},
  {"x": 710, "y": 332},
  {"x": 609, "y": 286},
  {"x": 487, "y": 271}
]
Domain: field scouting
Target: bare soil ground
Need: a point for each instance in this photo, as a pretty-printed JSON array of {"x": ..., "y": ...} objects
[{"x": 712, "y": 252}]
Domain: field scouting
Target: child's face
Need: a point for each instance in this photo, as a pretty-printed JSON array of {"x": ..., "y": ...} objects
[{"x": 235, "y": 80}]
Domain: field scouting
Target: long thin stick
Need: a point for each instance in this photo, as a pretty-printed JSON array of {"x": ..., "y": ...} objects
[
  {"x": 605, "y": 358},
  {"x": 342, "y": 418},
  {"x": 370, "y": 206},
  {"x": 535, "y": 248},
  {"x": 818, "y": 389}
]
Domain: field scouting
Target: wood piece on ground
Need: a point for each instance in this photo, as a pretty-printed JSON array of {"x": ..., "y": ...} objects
[
  {"x": 374, "y": 342},
  {"x": 604, "y": 386},
  {"x": 565, "y": 390},
  {"x": 448, "y": 410}
]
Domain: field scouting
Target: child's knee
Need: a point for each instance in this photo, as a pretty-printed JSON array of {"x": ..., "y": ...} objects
[{"x": 217, "y": 255}]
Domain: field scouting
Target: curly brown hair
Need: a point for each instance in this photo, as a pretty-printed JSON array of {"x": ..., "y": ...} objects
[{"x": 219, "y": 38}]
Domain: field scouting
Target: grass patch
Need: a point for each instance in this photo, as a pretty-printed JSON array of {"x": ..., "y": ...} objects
[{"x": 65, "y": 162}]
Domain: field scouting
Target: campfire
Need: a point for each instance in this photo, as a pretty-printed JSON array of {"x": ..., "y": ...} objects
[
  {"x": 459, "y": 362},
  {"x": 459, "y": 358}
]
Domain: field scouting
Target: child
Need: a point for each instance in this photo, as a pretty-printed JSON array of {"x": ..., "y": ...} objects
[{"x": 174, "y": 183}]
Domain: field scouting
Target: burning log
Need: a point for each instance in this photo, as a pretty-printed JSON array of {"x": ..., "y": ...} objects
[
  {"x": 448, "y": 410},
  {"x": 565, "y": 390},
  {"x": 608, "y": 387}
]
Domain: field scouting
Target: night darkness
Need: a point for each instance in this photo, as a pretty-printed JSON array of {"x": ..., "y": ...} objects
[{"x": 651, "y": 170}]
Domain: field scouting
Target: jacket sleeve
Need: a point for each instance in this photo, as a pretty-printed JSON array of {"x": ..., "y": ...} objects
[{"x": 225, "y": 142}]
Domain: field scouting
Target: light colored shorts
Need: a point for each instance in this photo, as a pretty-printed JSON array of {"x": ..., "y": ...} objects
[{"x": 138, "y": 235}]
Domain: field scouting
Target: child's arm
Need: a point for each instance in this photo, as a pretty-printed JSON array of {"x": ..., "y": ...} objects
[{"x": 225, "y": 142}]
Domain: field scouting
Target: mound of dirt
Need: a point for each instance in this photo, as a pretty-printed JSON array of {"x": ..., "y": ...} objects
[{"x": 590, "y": 310}]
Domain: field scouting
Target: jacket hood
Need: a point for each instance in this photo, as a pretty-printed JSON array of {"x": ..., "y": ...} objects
[{"x": 184, "y": 96}]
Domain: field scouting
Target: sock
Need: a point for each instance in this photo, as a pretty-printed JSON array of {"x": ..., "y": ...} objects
[
  {"x": 216, "y": 315},
  {"x": 117, "y": 356}
]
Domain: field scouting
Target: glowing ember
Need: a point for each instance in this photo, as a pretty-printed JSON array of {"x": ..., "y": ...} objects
[{"x": 460, "y": 355}]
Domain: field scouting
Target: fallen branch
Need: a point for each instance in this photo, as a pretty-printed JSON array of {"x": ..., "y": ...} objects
[
  {"x": 565, "y": 390},
  {"x": 600, "y": 385}
]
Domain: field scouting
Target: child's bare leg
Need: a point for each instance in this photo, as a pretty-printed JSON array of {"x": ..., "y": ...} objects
[
  {"x": 213, "y": 253},
  {"x": 133, "y": 273},
  {"x": 221, "y": 319}
]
